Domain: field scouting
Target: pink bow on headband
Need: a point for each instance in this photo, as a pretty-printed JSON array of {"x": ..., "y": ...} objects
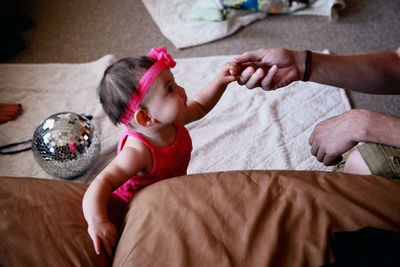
[
  {"x": 164, "y": 60},
  {"x": 160, "y": 54}
]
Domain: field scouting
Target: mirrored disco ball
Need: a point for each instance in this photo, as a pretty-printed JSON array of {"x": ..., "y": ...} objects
[{"x": 65, "y": 145}]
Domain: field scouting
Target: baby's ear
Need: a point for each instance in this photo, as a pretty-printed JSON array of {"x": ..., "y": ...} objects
[{"x": 143, "y": 118}]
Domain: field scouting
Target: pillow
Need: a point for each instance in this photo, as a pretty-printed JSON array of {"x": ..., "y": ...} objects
[
  {"x": 42, "y": 224},
  {"x": 252, "y": 218}
]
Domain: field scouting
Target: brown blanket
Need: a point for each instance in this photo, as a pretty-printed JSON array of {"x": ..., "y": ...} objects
[{"x": 251, "y": 218}]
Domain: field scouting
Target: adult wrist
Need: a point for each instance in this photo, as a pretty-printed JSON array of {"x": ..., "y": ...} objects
[
  {"x": 376, "y": 127},
  {"x": 362, "y": 118},
  {"x": 307, "y": 66}
]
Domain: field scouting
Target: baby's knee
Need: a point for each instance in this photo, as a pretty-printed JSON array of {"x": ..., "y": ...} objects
[{"x": 356, "y": 164}]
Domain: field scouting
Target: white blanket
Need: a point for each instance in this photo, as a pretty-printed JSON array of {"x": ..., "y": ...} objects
[
  {"x": 171, "y": 18},
  {"x": 246, "y": 130}
]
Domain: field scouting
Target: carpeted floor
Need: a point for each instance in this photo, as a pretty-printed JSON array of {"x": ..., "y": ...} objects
[{"x": 80, "y": 31}]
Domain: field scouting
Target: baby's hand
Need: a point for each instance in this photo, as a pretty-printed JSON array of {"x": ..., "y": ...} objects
[
  {"x": 230, "y": 72},
  {"x": 103, "y": 234}
]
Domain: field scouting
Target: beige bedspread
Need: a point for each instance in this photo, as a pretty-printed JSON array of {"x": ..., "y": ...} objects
[
  {"x": 243, "y": 218},
  {"x": 247, "y": 130}
]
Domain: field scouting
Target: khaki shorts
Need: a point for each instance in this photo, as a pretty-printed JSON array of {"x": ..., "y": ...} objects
[{"x": 382, "y": 160}]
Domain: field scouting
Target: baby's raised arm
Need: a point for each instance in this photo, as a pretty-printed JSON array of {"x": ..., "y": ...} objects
[
  {"x": 95, "y": 201},
  {"x": 205, "y": 100}
]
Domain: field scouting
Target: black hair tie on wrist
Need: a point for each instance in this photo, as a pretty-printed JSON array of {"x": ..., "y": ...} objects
[{"x": 307, "y": 68}]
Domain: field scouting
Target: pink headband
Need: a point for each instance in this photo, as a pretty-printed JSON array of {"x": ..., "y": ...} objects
[{"x": 164, "y": 60}]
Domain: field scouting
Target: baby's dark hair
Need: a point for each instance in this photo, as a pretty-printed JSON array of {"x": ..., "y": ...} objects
[{"x": 119, "y": 81}]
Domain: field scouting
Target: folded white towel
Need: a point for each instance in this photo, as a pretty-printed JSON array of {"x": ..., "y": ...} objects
[
  {"x": 255, "y": 129},
  {"x": 248, "y": 129}
]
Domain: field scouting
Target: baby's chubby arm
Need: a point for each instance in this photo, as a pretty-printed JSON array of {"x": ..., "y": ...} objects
[
  {"x": 95, "y": 201},
  {"x": 205, "y": 100}
]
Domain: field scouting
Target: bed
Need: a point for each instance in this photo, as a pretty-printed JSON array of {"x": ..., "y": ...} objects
[{"x": 235, "y": 218}]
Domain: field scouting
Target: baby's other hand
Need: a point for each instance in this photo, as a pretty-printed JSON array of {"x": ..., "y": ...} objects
[{"x": 103, "y": 234}]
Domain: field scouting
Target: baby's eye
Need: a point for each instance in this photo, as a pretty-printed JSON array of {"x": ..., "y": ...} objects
[{"x": 170, "y": 89}]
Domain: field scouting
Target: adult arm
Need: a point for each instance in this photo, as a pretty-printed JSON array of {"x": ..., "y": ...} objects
[
  {"x": 374, "y": 73},
  {"x": 334, "y": 136}
]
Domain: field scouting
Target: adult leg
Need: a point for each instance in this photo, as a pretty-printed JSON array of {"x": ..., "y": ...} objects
[
  {"x": 356, "y": 164},
  {"x": 381, "y": 160}
]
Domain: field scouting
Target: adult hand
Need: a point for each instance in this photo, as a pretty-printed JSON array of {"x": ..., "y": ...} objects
[
  {"x": 270, "y": 68},
  {"x": 103, "y": 234},
  {"x": 336, "y": 135}
]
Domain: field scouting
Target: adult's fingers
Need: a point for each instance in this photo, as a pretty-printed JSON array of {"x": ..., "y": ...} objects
[
  {"x": 255, "y": 79},
  {"x": 251, "y": 56},
  {"x": 246, "y": 75},
  {"x": 321, "y": 155},
  {"x": 311, "y": 138},
  {"x": 266, "y": 82},
  {"x": 314, "y": 149},
  {"x": 332, "y": 160}
]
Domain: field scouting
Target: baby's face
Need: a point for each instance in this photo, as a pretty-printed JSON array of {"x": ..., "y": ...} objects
[{"x": 166, "y": 100}]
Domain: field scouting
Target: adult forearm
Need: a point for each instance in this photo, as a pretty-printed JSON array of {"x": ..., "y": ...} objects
[
  {"x": 373, "y": 73},
  {"x": 334, "y": 136},
  {"x": 379, "y": 128}
]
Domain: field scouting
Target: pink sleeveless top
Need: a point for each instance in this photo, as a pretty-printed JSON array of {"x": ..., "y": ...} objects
[{"x": 168, "y": 161}]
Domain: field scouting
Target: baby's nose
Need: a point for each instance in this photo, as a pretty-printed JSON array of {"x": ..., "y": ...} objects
[{"x": 182, "y": 93}]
